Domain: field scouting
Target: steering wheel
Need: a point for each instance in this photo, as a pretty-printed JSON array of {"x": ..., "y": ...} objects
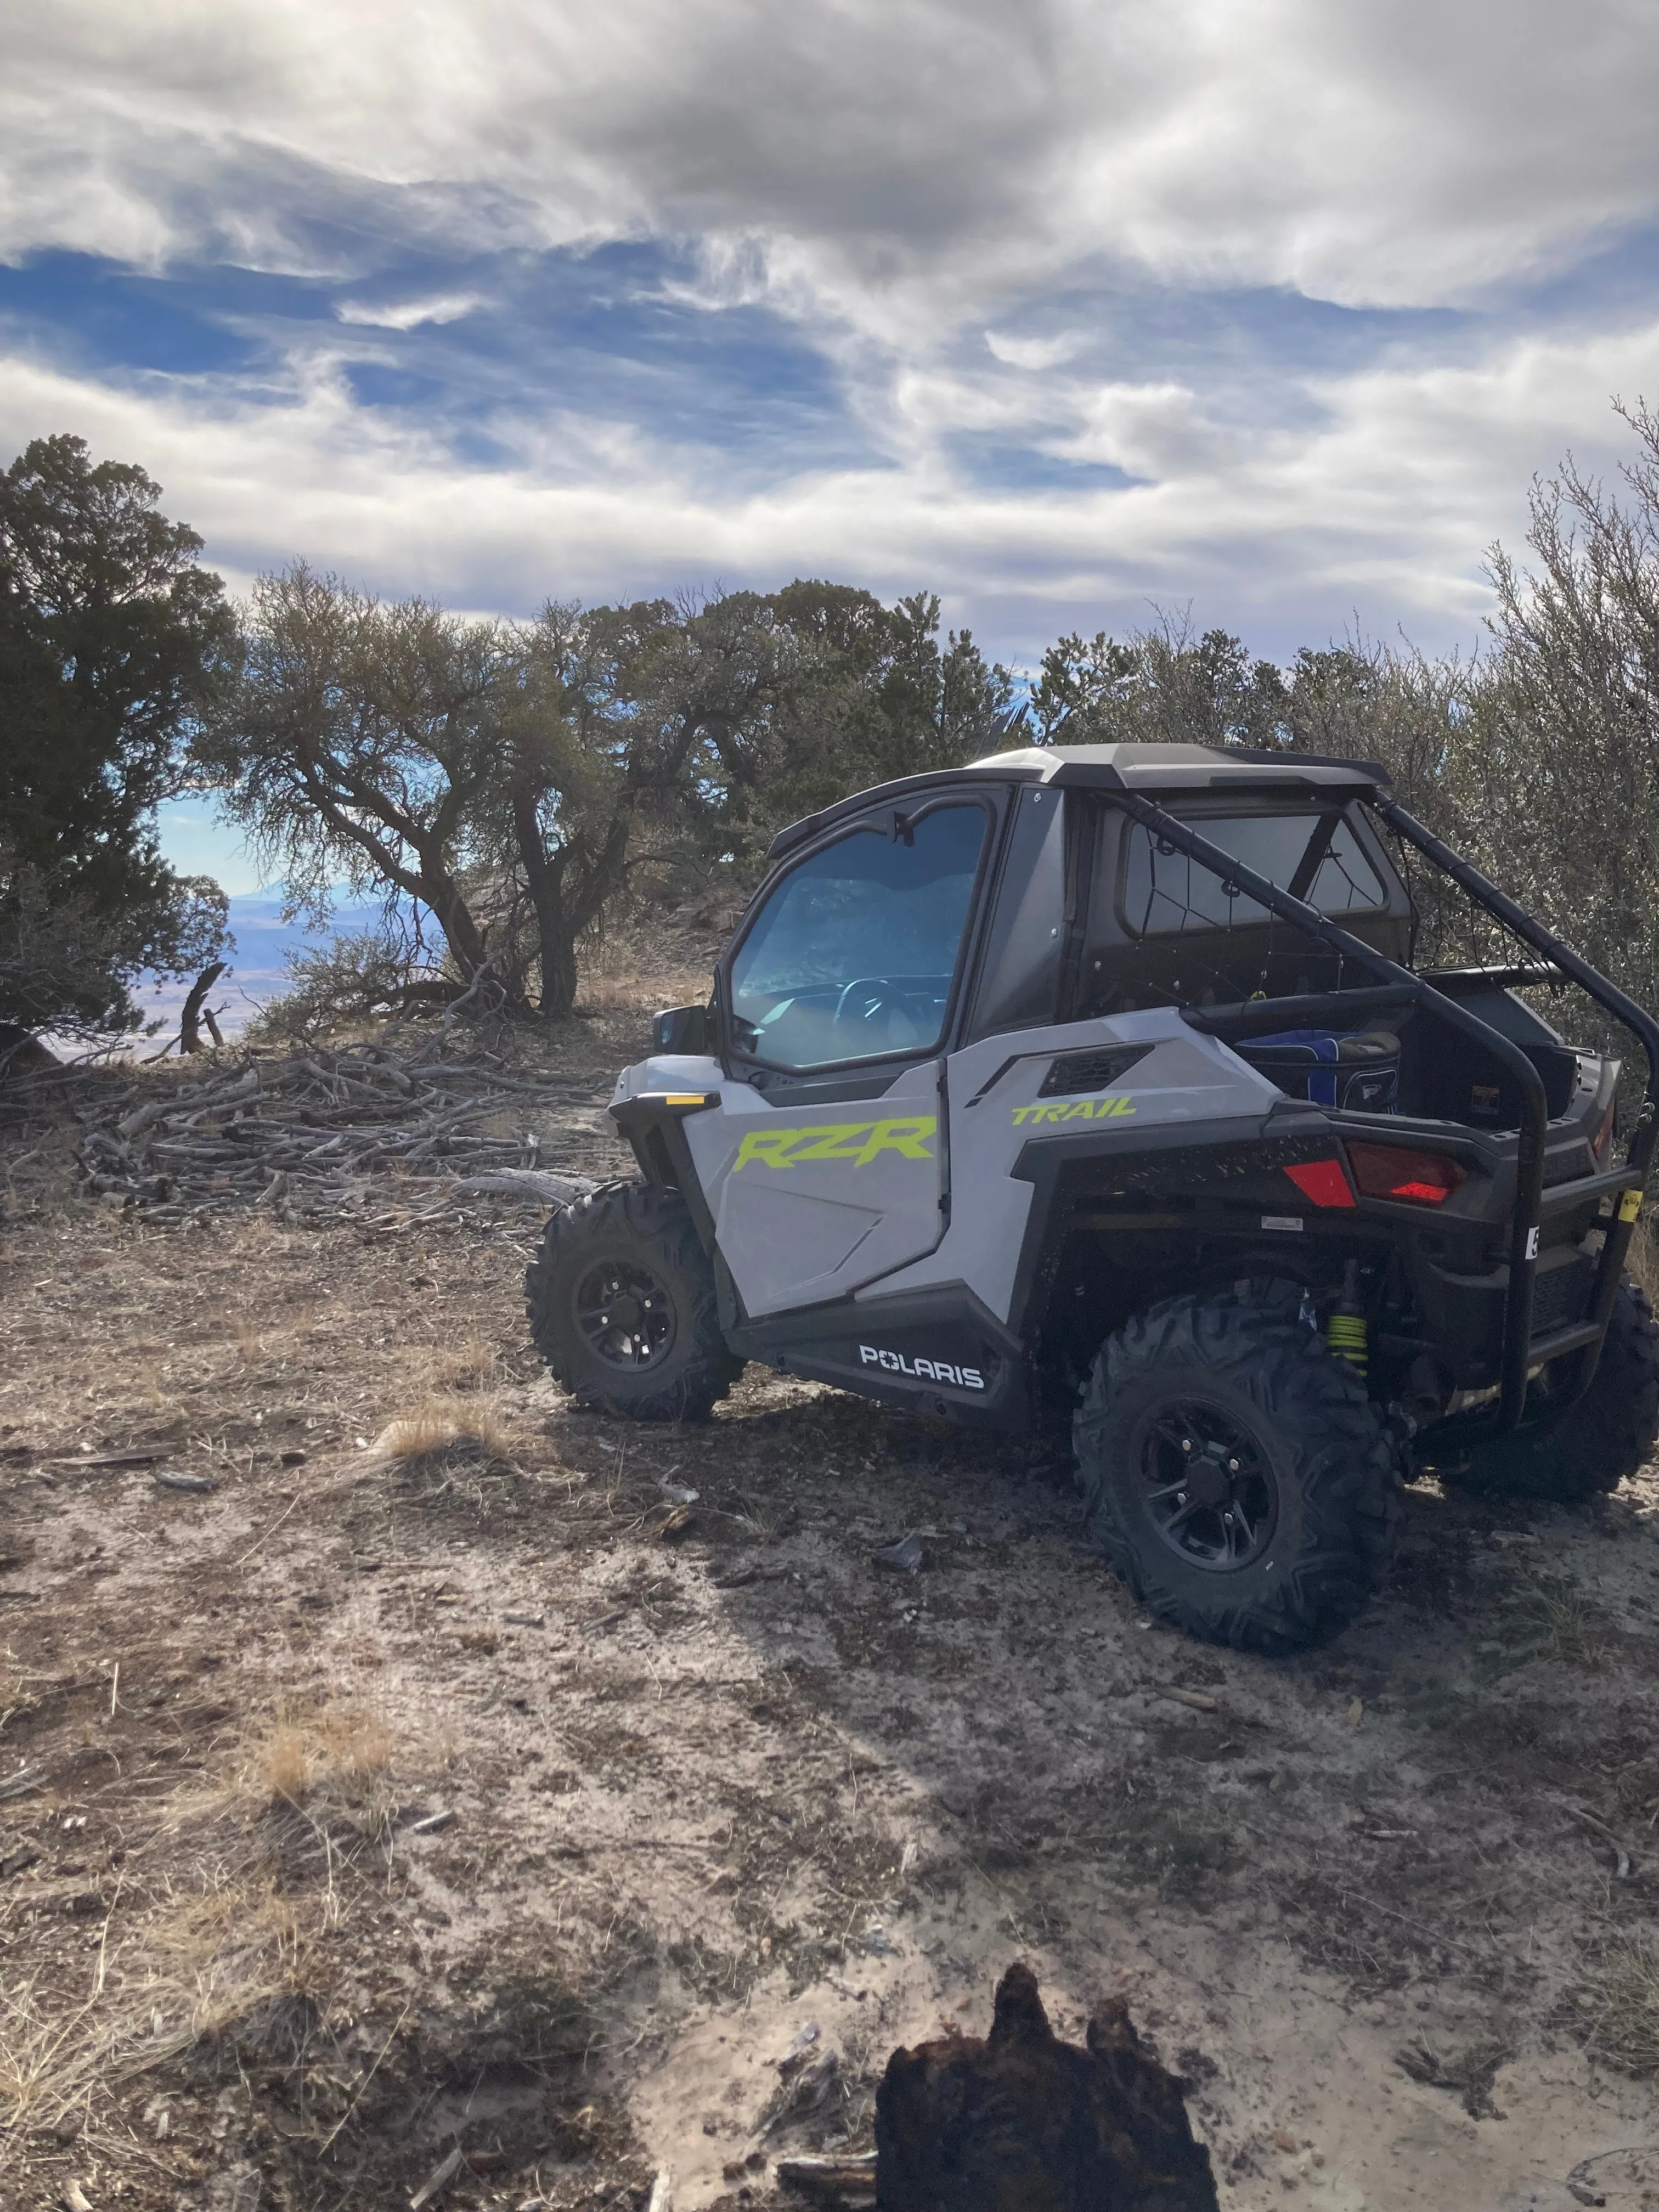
[{"x": 888, "y": 1001}]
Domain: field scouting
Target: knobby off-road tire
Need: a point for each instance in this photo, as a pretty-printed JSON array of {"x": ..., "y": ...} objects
[
  {"x": 1608, "y": 1434},
  {"x": 639, "y": 1238},
  {"x": 1308, "y": 1435}
]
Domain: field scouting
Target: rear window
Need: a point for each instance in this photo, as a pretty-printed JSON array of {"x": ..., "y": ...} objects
[{"x": 1316, "y": 856}]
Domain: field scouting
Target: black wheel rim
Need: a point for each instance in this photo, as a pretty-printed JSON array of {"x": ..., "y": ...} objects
[
  {"x": 626, "y": 1315},
  {"x": 1208, "y": 1486}
]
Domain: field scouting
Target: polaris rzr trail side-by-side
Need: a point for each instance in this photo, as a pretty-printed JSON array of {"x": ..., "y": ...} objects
[{"x": 1109, "y": 1079}]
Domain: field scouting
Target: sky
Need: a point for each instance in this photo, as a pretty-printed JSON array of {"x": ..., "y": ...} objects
[{"x": 1066, "y": 309}]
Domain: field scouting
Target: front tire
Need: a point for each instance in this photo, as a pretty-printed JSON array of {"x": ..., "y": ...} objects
[
  {"x": 622, "y": 1305},
  {"x": 1608, "y": 1434},
  {"x": 1234, "y": 1474}
]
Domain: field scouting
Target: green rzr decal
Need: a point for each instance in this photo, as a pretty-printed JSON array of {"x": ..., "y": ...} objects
[{"x": 859, "y": 1142}]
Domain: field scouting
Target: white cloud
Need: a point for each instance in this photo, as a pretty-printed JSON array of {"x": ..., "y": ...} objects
[
  {"x": 892, "y": 163},
  {"x": 1146, "y": 429},
  {"x": 932, "y": 191},
  {"x": 1033, "y": 352},
  {"x": 1383, "y": 504},
  {"x": 409, "y": 314}
]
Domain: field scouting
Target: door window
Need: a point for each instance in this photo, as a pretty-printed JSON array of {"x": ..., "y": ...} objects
[{"x": 852, "y": 955}]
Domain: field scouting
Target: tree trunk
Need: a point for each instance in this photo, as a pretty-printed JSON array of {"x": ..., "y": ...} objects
[
  {"x": 544, "y": 874},
  {"x": 558, "y": 972},
  {"x": 190, "y": 1021},
  {"x": 461, "y": 932}
]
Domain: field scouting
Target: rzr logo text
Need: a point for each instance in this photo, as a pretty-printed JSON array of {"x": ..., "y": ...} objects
[
  {"x": 923, "y": 1370},
  {"x": 860, "y": 1142}
]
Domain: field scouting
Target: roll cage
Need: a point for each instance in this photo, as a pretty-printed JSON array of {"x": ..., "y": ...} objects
[{"x": 1397, "y": 987}]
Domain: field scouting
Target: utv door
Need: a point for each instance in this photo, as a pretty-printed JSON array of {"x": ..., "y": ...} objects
[{"x": 825, "y": 1164}]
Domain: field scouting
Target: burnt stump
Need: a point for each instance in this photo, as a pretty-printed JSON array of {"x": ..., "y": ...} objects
[{"x": 1021, "y": 2122}]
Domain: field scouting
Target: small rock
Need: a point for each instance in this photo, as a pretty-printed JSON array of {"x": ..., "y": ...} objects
[{"x": 904, "y": 1558}]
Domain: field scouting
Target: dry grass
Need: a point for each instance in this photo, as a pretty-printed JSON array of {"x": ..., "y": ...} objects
[
  {"x": 624, "y": 991},
  {"x": 282, "y": 1764},
  {"x": 234, "y": 1938},
  {"x": 45, "y": 2064},
  {"x": 443, "y": 1425},
  {"x": 343, "y": 1756},
  {"x": 1642, "y": 1262},
  {"x": 206, "y": 1964},
  {"x": 624, "y": 972},
  {"x": 195, "y": 1968},
  {"x": 1626, "y": 1991},
  {"x": 469, "y": 1365},
  {"x": 1556, "y": 1621}
]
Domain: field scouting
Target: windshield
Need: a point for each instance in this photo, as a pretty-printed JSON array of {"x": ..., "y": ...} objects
[
  {"x": 852, "y": 954},
  {"x": 1313, "y": 856}
]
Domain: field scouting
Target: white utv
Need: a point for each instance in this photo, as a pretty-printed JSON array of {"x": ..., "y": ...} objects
[{"x": 1101, "y": 1078}]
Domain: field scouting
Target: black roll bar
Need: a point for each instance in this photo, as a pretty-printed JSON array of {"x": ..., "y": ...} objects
[
  {"x": 1624, "y": 1011},
  {"x": 1405, "y": 989},
  {"x": 1259, "y": 1016}
]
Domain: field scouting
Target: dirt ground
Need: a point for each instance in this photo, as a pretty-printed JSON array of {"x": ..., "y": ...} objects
[{"x": 462, "y": 1770}]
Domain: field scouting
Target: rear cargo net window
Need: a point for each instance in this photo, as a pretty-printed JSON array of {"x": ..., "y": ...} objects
[
  {"x": 1315, "y": 856},
  {"x": 852, "y": 955}
]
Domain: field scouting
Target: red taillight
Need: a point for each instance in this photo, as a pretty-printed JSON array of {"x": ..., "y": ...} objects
[
  {"x": 1603, "y": 1137},
  {"x": 1390, "y": 1171},
  {"x": 1321, "y": 1181}
]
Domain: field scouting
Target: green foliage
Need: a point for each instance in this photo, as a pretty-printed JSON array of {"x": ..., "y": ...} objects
[
  {"x": 358, "y": 975},
  {"x": 1161, "y": 686},
  {"x": 513, "y": 778},
  {"x": 1564, "y": 789},
  {"x": 112, "y": 642},
  {"x": 861, "y": 694},
  {"x": 356, "y": 741}
]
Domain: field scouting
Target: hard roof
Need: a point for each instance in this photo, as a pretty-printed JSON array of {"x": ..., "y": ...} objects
[{"x": 1172, "y": 770}]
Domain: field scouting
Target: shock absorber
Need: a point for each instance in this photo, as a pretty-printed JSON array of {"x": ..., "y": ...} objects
[{"x": 1345, "y": 1329}]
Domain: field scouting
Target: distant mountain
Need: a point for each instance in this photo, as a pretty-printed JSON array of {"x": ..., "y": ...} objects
[{"x": 258, "y": 973}]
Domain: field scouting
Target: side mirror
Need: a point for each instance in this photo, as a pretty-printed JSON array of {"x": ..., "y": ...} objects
[{"x": 681, "y": 1030}]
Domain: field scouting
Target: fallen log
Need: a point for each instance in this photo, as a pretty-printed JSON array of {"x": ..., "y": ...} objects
[
  {"x": 848, "y": 2181},
  {"x": 540, "y": 1184}
]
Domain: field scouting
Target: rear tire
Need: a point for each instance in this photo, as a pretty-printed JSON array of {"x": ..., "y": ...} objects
[
  {"x": 1241, "y": 1383},
  {"x": 622, "y": 1306},
  {"x": 1608, "y": 1434}
]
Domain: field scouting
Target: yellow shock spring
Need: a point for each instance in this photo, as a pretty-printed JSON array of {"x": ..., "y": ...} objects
[{"x": 1346, "y": 1336}]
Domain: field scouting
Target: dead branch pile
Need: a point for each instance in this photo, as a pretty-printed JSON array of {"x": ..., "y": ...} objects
[{"x": 324, "y": 1133}]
